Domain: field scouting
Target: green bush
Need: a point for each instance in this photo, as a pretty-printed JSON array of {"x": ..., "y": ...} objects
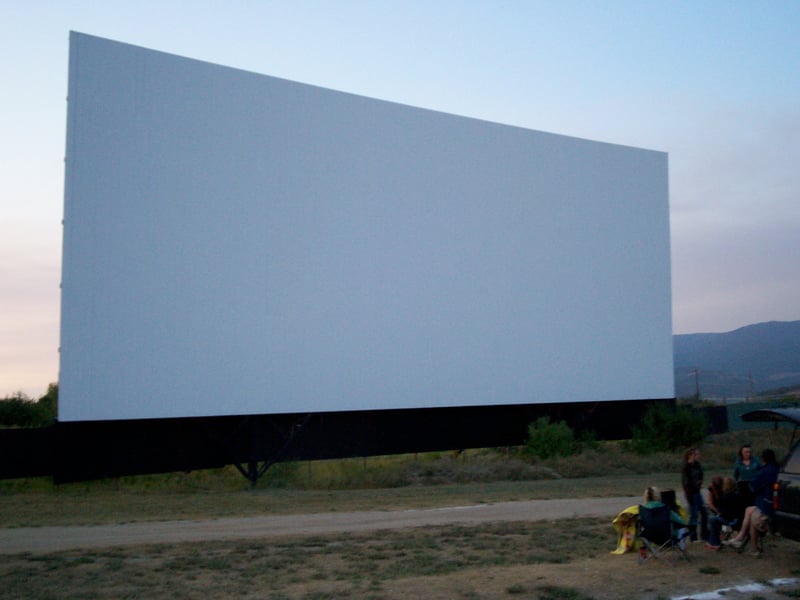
[
  {"x": 546, "y": 439},
  {"x": 665, "y": 428},
  {"x": 19, "y": 410}
]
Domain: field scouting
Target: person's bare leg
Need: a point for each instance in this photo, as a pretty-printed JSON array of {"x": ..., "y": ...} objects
[
  {"x": 746, "y": 522},
  {"x": 746, "y": 526}
]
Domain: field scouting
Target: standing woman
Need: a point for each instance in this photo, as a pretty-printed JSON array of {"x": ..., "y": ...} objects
[
  {"x": 692, "y": 480},
  {"x": 744, "y": 470}
]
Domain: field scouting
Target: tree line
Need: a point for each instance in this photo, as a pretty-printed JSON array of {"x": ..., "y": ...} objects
[{"x": 20, "y": 410}]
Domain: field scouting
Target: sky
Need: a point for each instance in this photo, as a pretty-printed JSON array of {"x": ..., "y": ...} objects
[{"x": 715, "y": 84}]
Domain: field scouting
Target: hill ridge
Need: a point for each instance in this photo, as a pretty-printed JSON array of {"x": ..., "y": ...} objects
[{"x": 743, "y": 362}]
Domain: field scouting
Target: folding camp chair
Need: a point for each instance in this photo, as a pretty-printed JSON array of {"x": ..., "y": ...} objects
[{"x": 655, "y": 535}]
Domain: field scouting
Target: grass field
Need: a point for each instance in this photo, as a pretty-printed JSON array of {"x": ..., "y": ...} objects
[{"x": 548, "y": 560}]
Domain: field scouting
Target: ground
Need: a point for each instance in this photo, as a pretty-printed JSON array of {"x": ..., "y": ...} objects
[{"x": 545, "y": 549}]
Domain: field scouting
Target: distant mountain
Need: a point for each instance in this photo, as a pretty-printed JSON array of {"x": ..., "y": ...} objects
[{"x": 740, "y": 363}]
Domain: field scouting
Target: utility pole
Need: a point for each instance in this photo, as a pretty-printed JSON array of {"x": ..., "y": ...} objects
[{"x": 697, "y": 384}]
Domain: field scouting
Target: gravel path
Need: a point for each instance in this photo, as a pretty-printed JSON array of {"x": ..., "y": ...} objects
[{"x": 51, "y": 539}]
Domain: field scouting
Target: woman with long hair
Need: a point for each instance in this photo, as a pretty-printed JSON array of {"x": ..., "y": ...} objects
[
  {"x": 757, "y": 516},
  {"x": 692, "y": 480},
  {"x": 724, "y": 505}
]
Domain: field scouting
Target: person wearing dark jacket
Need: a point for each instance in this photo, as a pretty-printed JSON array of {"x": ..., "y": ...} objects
[
  {"x": 756, "y": 517},
  {"x": 692, "y": 480}
]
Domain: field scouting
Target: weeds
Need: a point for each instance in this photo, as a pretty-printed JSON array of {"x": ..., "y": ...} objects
[
  {"x": 560, "y": 593},
  {"x": 322, "y": 566},
  {"x": 428, "y": 469},
  {"x": 376, "y": 483}
]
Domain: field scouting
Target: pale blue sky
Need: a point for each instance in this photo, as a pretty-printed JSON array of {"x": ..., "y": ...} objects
[{"x": 714, "y": 84}]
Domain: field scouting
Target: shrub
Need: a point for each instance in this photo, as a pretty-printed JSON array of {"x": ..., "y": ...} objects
[
  {"x": 664, "y": 428},
  {"x": 546, "y": 439},
  {"x": 19, "y": 410}
]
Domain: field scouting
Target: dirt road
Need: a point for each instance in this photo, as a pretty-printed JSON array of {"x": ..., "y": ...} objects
[{"x": 51, "y": 539}]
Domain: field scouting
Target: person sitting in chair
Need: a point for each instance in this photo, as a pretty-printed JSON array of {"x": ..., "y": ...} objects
[
  {"x": 724, "y": 503},
  {"x": 678, "y": 526},
  {"x": 756, "y": 517}
]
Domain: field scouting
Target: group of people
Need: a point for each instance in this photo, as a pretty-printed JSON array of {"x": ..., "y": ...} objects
[{"x": 743, "y": 501}]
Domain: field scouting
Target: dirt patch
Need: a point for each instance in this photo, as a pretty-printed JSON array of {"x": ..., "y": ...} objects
[
  {"x": 709, "y": 576},
  {"x": 610, "y": 577}
]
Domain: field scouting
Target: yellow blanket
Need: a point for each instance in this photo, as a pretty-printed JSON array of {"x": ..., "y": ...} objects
[{"x": 625, "y": 525}]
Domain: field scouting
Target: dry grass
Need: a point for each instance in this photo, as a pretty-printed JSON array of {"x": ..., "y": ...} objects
[
  {"x": 427, "y": 481},
  {"x": 567, "y": 559},
  {"x": 106, "y": 506},
  {"x": 314, "y": 567}
]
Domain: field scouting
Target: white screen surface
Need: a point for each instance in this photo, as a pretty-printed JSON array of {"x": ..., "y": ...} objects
[{"x": 240, "y": 244}]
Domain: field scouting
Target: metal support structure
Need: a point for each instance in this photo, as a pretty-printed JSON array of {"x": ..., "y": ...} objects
[{"x": 253, "y": 472}]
